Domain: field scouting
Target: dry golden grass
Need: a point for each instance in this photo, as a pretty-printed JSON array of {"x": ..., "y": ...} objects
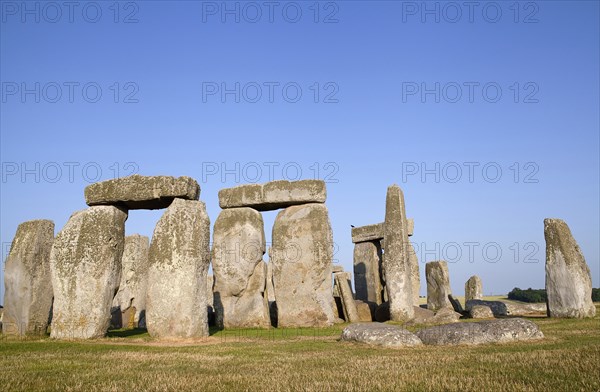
[{"x": 304, "y": 360}]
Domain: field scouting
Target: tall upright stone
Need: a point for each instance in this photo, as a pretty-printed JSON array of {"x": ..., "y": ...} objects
[
  {"x": 239, "y": 270},
  {"x": 129, "y": 305},
  {"x": 342, "y": 281},
  {"x": 302, "y": 254},
  {"x": 85, "y": 265},
  {"x": 568, "y": 278},
  {"x": 367, "y": 279},
  {"x": 415, "y": 278},
  {"x": 438, "y": 285},
  {"x": 179, "y": 258},
  {"x": 473, "y": 288},
  {"x": 396, "y": 263},
  {"x": 27, "y": 282}
]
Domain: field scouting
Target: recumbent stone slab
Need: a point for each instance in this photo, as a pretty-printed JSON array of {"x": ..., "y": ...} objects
[
  {"x": 142, "y": 192},
  {"x": 380, "y": 335}
]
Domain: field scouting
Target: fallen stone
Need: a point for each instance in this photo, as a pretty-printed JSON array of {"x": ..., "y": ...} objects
[
  {"x": 134, "y": 281},
  {"x": 509, "y": 308},
  {"x": 481, "y": 332},
  {"x": 273, "y": 195},
  {"x": 473, "y": 288},
  {"x": 481, "y": 312},
  {"x": 28, "y": 287},
  {"x": 142, "y": 192},
  {"x": 438, "y": 285},
  {"x": 446, "y": 315},
  {"x": 456, "y": 305},
  {"x": 239, "y": 270},
  {"x": 302, "y": 254},
  {"x": 367, "y": 265},
  {"x": 85, "y": 265},
  {"x": 396, "y": 265},
  {"x": 379, "y": 335},
  {"x": 179, "y": 258},
  {"x": 568, "y": 278}
]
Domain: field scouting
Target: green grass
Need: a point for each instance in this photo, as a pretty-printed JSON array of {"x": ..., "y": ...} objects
[{"x": 303, "y": 359}]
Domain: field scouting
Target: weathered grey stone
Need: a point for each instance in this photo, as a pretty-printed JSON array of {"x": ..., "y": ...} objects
[
  {"x": 348, "y": 304},
  {"x": 473, "y": 289},
  {"x": 239, "y": 270},
  {"x": 28, "y": 287},
  {"x": 364, "y": 311},
  {"x": 568, "y": 278},
  {"x": 509, "y": 308},
  {"x": 270, "y": 291},
  {"x": 179, "y": 258},
  {"x": 302, "y": 253},
  {"x": 446, "y": 315},
  {"x": 415, "y": 278},
  {"x": 438, "y": 285},
  {"x": 367, "y": 265},
  {"x": 481, "y": 332},
  {"x": 366, "y": 233},
  {"x": 422, "y": 316},
  {"x": 142, "y": 192},
  {"x": 481, "y": 312},
  {"x": 273, "y": 195},
  {"x": 396, "y": 263},
  {"x": 134, "y": 280},
  {"x": 85, "y": 265},
  {"x": 456, "y": 305},
  {"x": 379, "y": 335}
]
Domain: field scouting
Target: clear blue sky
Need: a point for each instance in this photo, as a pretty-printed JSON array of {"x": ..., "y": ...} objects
[{"x": 388, "y": 89}]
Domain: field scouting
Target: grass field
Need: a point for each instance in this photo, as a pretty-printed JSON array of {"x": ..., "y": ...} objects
[{"x": 568, "y": 359}]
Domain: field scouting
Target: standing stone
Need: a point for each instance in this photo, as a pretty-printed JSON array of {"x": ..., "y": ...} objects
[
  {"x": 302, "y": 254},
  {"x": 179, "y": 258},
  {"x": 270, "y": 291},
  {"x": 415, "y": 279},
  {"x": 438, "y": 285},
  {"x": 342, "y": 280},
  {"x": 28, "y": 295},
  {"x": 367, "y": 281},
  {"x": 568, "y": 278},
  {"x": 473, "y": 288},
  {"x": 239, "y": 270},
  {"x": 396, "y": 262},
  {"x": 131, "y": 297},
  {"x": 85, "y": 265}
]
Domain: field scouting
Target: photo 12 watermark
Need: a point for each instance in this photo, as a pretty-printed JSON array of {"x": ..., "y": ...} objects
[
  {"x": 470, "y": 92},
  {"x": 477, "y": 251},
  {"x": 452, "y": 12},
  {"x": 70, "y": 172},
  {"x": 53, "y": 12},
  {"x": 326, "y": 12},
  {"x": 270, "y": 92},
  {"x": 257, "y": 172},
  {"x": 470, "y": 172},
  {"x": 69, "y": 92}
]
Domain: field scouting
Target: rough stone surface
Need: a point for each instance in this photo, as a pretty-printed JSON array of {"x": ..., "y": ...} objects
[
  {"x": 415, "y": 278},
  {"x": 239, "y": 270},
  {"x": 368, "y": 233},
  {"x": 364, "y": 311},
  {"x": 85, "y": 265},
  {"x": 422, "y": 316},
  {"x": 367, "y": 265},
  {"x": 446, "y": 315},
  {"x": 142, "y": 192},
  {"x": 273, "y": 195},
  {"x": 396, "y": 263},
  {"x": 134, "y": 280},
  {"x": 473, "y": 288},
  {"x": 481, "y": 312},
  {"x": 342, "y": 281},
  {"x": 28, "y": 287},
  {"x": 438, "y": 285},
  {"x": 380, "y": 335},
  {"x": 269, "y": 285},
  {"x": 302, "y": 254},
  {"x": 568, "y": 278},
  {"x": 481, "y": 332},
  {"x": 509, "y": 308},
  {"x": 179, "y": 258},
  {"x": 336, "y": 268}
]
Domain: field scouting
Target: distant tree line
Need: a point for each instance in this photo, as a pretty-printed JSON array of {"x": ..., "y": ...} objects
[{"x": 539, "y": 295}]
